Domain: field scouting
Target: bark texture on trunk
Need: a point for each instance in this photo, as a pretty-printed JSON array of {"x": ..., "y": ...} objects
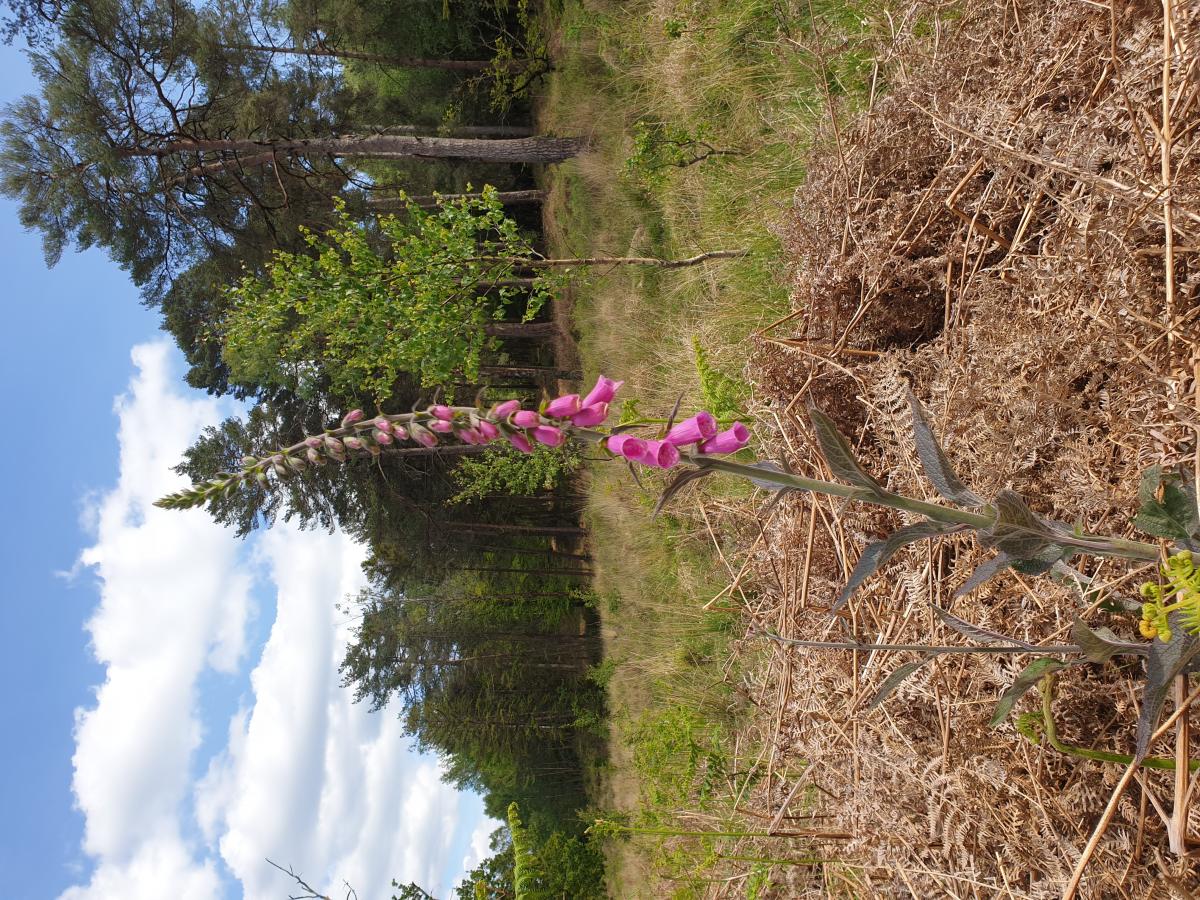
[{"x": 539, "y": 149}]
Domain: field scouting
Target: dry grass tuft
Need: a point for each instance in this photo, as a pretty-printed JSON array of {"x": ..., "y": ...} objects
[{"x": 994, "y": 232}]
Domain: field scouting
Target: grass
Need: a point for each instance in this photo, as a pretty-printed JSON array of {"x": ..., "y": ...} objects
[{"x": 653, "y": 85}]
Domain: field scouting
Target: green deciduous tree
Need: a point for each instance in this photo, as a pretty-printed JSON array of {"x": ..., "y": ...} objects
[{"x": 361, "y": 317}]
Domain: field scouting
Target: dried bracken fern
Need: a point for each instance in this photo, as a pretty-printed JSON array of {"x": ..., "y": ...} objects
[{"x": 991, "y": 233}]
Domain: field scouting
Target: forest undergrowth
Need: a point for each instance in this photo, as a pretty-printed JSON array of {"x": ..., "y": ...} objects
[
  {"x": 961, "y": 200},
  {"x": 699, "y": 119}
]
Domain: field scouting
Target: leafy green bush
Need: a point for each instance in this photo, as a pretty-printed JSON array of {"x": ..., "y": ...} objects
[
  {"x": 505, "y": 470},
  {"x": 361, "y": 317},
  {"x": 724, "y": 396}
]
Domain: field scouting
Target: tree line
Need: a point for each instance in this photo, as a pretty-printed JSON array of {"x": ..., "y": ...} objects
[{"x": 250, "y": 165}]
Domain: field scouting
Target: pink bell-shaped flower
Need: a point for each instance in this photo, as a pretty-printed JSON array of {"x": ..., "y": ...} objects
[
  {"x": 659, "y": 455},
  {"x": 563, "y": 407},
  {"x": 603, "y": 392},
  {"x": 730, "y": 440},
  {"x": 626, "y": 445},
  {"x": 590, "y": 415},
  {"x": 699, "y": 427},
  {"x": 549, "y": 435}
]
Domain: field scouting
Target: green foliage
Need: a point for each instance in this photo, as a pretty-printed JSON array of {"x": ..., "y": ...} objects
[
  {"x": 677, "y": 752},
  {"x": 363, "y": 318},
  {"x": 722, "y": 395},
  {"x": 660, "y": 146},
  {"x": 526, "y": 867},
  {"x": 556, "y": 866},
  {"x": 1168, "y": 507},
  {"x": 517, "y": 65},
  {"x": 503, "y": 469}
]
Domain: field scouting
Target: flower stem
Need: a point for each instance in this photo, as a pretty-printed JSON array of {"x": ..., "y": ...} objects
[{"x": 1096, "y": 544}]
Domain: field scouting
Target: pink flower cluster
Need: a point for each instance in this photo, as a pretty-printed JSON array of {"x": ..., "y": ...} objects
[
  {"x": 587, "y": 412},
  {"x": 524, "y": 428},
  {"x": 699, "y": 430}
]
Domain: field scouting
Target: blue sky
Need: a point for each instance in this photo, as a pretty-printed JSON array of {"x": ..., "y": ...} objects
[{"x": 170, "y": 702}]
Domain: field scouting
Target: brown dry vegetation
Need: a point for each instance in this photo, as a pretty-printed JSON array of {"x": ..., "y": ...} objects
[{"x": 992, "y": 232}]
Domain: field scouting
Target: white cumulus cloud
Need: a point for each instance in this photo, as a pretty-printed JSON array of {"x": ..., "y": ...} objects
[{"x": 305, "y": 776}]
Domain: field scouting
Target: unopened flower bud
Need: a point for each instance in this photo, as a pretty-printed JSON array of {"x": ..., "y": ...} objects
[
  {"x": 353, "y": 443},
  {"x": 423, "y": 435},
  {"x": 562, "y": 407},
  {"x": 333, "y": 445},
  {"x": 384, "y": 437},
  {"x": 383, "y": 423},
  {"x": 355, "y": 415},
  {"x": 441, "y": 426},
  {"x": 548, "y": 435},
  {"x": 526, "y": 418},
  {"x": 314, "y": 456},
  {"x": 471, "y": 436},
  {"x": 316, "y": 442},
  {"x": 502, "y": 411},
  {"x": 441, "y": 411},
  {"x": 590, "y": 415},
  {"x": 521, "y": 442},
  {"x": 488, "y": 430}
]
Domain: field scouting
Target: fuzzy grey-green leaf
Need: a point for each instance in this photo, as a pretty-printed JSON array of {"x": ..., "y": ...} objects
[
  {"x": 1165, "y": 661},
  {"x": 897, "y": 678},
  {"x": 838, "y": 454},
  {"x": 978, "y": 632},
  {"x": 1100, "y": 645},
  {"x": 934, "y": 463},
  {"x": 1029, "y": 676},
  {"x": 984, "y": 572},
  {"x": 878, "y": 553}
]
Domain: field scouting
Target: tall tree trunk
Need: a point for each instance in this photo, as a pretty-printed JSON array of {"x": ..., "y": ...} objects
[
  {"x": 536, "y": 330},
  {"x": 505, "y": 528},
  {"x": 541, "y": 149},
  {"x": 481, "y": 131},
  {"x": 399, "y": 62}
]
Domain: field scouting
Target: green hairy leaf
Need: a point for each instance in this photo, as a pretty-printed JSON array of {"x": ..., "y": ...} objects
[
  {"x": 978, "y": 632},
  {"x": 1029, "y": 676},
  {"x": 985, "y": 571},
  {"x": 878, "y": 553},
  {"x": 1018, "y": 531},
  {"x": 934, "y": 463},
  {"x": 1100, "y": 645},
  {"x": 1031, "y": 544},
  {"x": 897, "y": 678},
  {"x": 686, "y": 477},
  {"x": 838, "y": 454},
  {"x": 1164, "y": 662},
  {"x": 1175, "y": 515}
]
